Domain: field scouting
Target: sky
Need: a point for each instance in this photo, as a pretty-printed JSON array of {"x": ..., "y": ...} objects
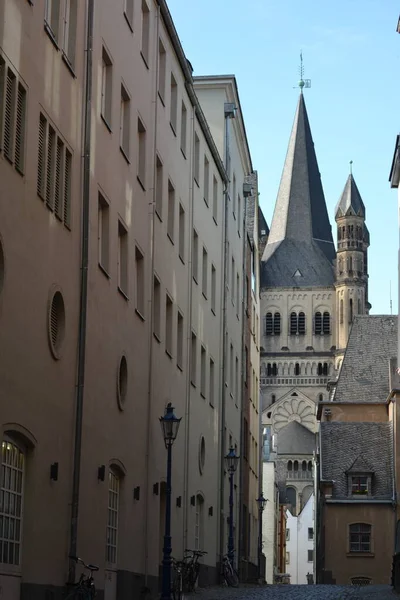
[{"x": 351, "y": 53}]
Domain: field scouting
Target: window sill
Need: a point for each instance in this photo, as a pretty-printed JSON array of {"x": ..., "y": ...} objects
[
  {"x": 195, "y": 279},
  {"x": 104, "y": 271},
  {"x": 173, "y": 128},
  {"x": 144, "y": 59},
  {"x": 183, "y": 153},
  {"x": 161, "y": 98},
  {"x": 170, "y": 239},
  {"x": 360, "y": 555},
  {"x": 182, "y": 259},
  {"x": 128, "y": 22},
  {"x": 51, "y": 35},
  {"x": 124, "y": 294},
  {"x": 105, "y": 122},
  {"x": 168, "y": 353},
  {"x": 68, "y": 64},
  {"x": 215, "y": 221},
  {"x": 158, "y": 215},
  {"x": 206, "y": 202},
  {"x": 203, "y": 395},
  {"x": 125, "y": 155},
  {"x": 139, "y": 314},
  {"x": 141, "y": 184},
  {"x": 196, "y": 182},
  {"x": 193, "y": 384},
  {"x": 211, "y": 405},
  {"x": 157, "y": 337},
  {"x": 204, "y": 295},
  {"x": 213, "y": 311},
  {"x": 179, "y": 367}
]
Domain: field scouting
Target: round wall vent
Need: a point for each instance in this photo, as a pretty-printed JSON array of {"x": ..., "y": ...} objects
[
  {"x": 202, "y": 454},
  {"x": 122, "y": 382},
  {"x": 56, "y": 324}
]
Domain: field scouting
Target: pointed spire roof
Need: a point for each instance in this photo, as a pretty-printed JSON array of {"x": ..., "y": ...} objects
[
  {"x": 350, "y": 201},
  {"x": 300, "y": 237}
]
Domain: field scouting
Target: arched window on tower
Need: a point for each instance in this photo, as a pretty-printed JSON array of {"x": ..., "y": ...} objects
[
  {"x": 290, "y": 465},
  {"x": 318, "y": 323},
  {"x": 325, "y": 369},
  {"x": 359, "y": 306},
  {"x": 341, "y": 312},
  {"x": 293, "y": 323},
  {"x": 268, "y": 324},
  {"x": 326, "y": 323},
  {"x": 302, "y": 323},
  {"x": 340, "y": 263},
  {"x": 351, "y": 310},
  {"x": 339, "y": 234},
  {"x": 350, "y": 264},
  {"x": 277, "y": 323},
  {"x": 297, "y": 369},
  {"x": 269, "y": 370},
  {"x": 273, "y": 398},
  {"x": 274, "y": 370}
]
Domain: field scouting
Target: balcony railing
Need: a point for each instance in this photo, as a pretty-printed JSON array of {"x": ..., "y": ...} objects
[
  {"x": 300, "y": 474},
  {"x": 294, "y": 380}
]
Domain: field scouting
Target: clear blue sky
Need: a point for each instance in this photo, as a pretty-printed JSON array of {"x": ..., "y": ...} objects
[{"x": 351, "y": 53}]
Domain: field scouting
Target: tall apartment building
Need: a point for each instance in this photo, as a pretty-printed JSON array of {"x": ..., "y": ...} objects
[{"x": 122, "y": 223}]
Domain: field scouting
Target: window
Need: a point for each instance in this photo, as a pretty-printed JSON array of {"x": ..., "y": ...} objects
[
  {"x": 145, "y": 32},
  {"x": 287, "y": 535},
  {"x": 277, "y": 323},
  {"x": 205, "y": 273},
  {"x": 237, "y": 293},
  {"x": 203, "y": 372},
  {"x": 196, "y": 158},
  {"x": 302, "y": 323},
  {"x": 122, "y": 259},
  {"x": 128, "y": 12},
  {"x": 360, "y": 537},
  {"x": 54, "y": 172},
  {"x": 168, "y": 325},
  {"x": 233, "y": 280},
  {"x": 318, "y": 323},
  {"x": 293, "y": 323},
  {"x": 183, "y": 129},
  {"x": 268, "y": 324},
  {"x": 326, "y": 323},
  {"x": 139, "y": 259},
  {"x": 206, "y": 191},
  {"x": 213, "y": 287},
  {"x": 234, "y": 195},
  {"x": 12, "y": 498},
  {"x": 215, "y": 199},
  {"x": 239, "y": 214},
  {"x": 195, "y": 257},
  {"x": 142, "y": 154},
  {"x": 174, "y": 104},
  {"x": 70, "y": 23},
  {"x": 171, "y": 211},
  {"x": 193, "y": 359},
  {"x": 341, "y": 312},
  {"x": 162, "y": 67},
  {"x": 237, "y": 380},
  {"x": 12, "y": 117},
  {"x": 181, "y": 233},
  {"x": 112, "y": 517},
  {"x": 311, "y": 533},
  {"x": 231, "y": 373},
  {"x": 19, "y": 146},
  {"x": 104, "y": 233},
  {"x": 157, "y": 308},
  {"x": 273, "y": 399},
  {"x": 106, "y": 87},
  {"x": 288, "y": 558},
  {"x": 310, "y": 555},
  {"x": 179, "y": 341},
  {"x": 322, "y": 369},
  {"x": 297, "y": 369},
  {"x": 297, "y": 323},
  {"x": 359, "y": 485},
  {"x": 211, "y": 383},
  {"x": 125, "y": 122},
  {"x": 159, "y": 186},
  {"x": 52, "y": 17},
  {"x": 351, "y": 310}
]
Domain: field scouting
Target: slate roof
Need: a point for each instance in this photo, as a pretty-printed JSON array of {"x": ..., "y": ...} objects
[
  {"x": 344, "y": 442},
  {"x": 360, "y": 465},
  {"x": 294, "y": 438},
  {"x": 300, "y": 231},
  {"x": 262, "y": 224},
  {"x": 350, "y": 200},
  {"x": 364, "y": 376}
]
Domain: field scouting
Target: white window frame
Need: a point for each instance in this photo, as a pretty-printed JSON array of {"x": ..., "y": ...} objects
[
  {"x": 114, "y": 486},
  {"x": 13, "y": 567}
]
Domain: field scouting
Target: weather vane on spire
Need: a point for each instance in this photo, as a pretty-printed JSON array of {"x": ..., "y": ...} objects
[{"x": 303, "y": 83}]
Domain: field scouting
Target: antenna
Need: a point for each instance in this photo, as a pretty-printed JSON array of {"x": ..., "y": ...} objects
[
  {"x": 390, "y": 295},
  {"x": 303, "y": 83}
]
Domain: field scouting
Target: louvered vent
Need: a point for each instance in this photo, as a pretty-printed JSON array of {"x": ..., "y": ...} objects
[
  {"x": 41, "y": 156},
  {"x": 58, "y": 180},
  {"x": 56, "y": 324},
  {"x": 9, "y": 114},
  {"x": 122, "y": 382},
  {"x": 50, "y": 168},
  {"x": 20, "y": 129},
  {"x": 2, "y": 84},
  {"x": 67, "y": 189}
]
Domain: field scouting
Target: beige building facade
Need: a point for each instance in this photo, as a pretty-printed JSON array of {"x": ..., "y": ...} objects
[{"x": 112, "y": 172}]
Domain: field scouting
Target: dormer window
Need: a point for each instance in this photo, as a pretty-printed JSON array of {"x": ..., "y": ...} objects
[{"x": 359, "y": 485}]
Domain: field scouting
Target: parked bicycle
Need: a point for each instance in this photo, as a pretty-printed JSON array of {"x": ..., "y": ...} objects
[
  {"x": 85, "y": 588},
  {"x": 229, "y": 574},
  {"x": 191, "y": 569},
  {"x": 177, "y": 583}
]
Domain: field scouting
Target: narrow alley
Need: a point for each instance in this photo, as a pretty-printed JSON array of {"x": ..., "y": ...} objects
[{"x": 300, "y": 592}]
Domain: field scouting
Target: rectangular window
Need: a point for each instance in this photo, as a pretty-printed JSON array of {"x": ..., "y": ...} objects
[
  {"x": 12, "y": 495},
  {"x": 203, "y": 375},
  {"x": 181, "y": 233},
  {"x": 206, "y": 180},
  {"x": 233, "y": 280},
  {"x": 211, "y": 383},
  {"x": 125, "y": 121},
  {"x": 171, "y": 211},
  {"x": 41, "y": 175},
  {"x": 311, "y": 533},
  {"x": 288, "y": 535},
  {"x": 234, "y": 195},
  {"x": 168, "y": 325},
  {"x": 157, "y": 308},
  {"x": 122, "y": 259},
  {"x": 58, "y": 179},
  {"x": 237, "y": 293},
  {"x": 196, "y": 158},
  {"x": 360, "y": 537},
  {"x": 183, "y": 129},
  {"x": 70, "y": 23},
  {"x": 310, "y": 555},
  {"x": 104, "y": 233},
  {"x": 231, "y": 372},
  {"x": 162, "y": 67},
  {"x": 128, "y": 12},
  {"x": 139, "y": 259},
  {"x": 359, "y": 485},
  {"x": 142, "y": 154},
  {"x": 159, "y": 186},
  {"x": 239, "y": 208},
  {"x": 67, "y": 189},
  {"x": 145, "y": 32},
  {"x": 193, "y": 359},
  {"x": 215, "y": 199},
  {"x": 9, "y": 115},
  {"x": 2, "y": 92},
  {"x": 213, "y": 287},
  {"x": 237, "y": 380},
  {"x": 174, "y": 104},
  {"x": 205, "y": 273},
  {"x": 106, "y": 87},
  {"x": 112, "y": 518},
  {"x": 51, "y": 159},
  {"x": 52, "y": 17},
  {"x": 20, "y": 122},
  {"x": 195, "y": 256},
  {"x": 179, "y": 341}
]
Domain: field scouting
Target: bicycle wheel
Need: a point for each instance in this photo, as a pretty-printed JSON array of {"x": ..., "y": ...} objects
[
  {"x": 230, "y": 575},
  {"x": 177, "y": 587},
  {"x": 79, "y": 594}
]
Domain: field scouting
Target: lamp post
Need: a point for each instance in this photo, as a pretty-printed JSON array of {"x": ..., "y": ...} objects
[
  {"x": 261, "y": 501},
  {"x": 231, "y": 461},
  {"x": 169, "y": 425}
]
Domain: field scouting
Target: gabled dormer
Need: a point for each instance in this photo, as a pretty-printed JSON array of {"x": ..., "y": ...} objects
[{"x": 359, "y": 478}]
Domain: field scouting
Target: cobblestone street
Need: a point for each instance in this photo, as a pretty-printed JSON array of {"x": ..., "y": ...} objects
[{"x": 298, "y": 592}]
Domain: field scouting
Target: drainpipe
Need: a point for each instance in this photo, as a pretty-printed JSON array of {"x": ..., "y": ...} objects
[
  {"x": 83, "y": 295},
  {"x": 152, "y": 208}
]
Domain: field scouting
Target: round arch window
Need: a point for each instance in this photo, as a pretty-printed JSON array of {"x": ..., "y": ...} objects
[
  {"x": 56, "y": 324},
  {"x": 122, "y": 382},
  {"x": 1, "y": 267},
  {"x": 202, "y": 454}
]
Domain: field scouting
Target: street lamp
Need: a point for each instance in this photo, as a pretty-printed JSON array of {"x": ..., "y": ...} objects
[
  {"x": 231, "y": 461},
  {"x": 169, "y": 426},
  {"x": 261, "y": 501}
]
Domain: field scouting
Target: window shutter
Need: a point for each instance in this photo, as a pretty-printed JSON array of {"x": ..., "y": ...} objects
[
  {"x": 58, "y": 180},
  {"x": 9, "y": 115},
  {"x": 67, "y": 189},
  {"x": 51, "y": 142},
  {"x": 2, "y": 92},
  {"x": 20, "y": 129},
  {"x": 41, "y": 156}
]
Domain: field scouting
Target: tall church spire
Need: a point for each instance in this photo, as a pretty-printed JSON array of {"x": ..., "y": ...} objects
[{"x": 300, "y": 211}]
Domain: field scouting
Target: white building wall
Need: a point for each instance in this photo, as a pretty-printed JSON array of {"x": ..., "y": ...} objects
[
  {"x": 269, "y": 520},
  {"x": 298, "y": 544}
]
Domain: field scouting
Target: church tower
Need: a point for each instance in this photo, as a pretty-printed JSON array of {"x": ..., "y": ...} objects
[{"x": 351, "y": 263}]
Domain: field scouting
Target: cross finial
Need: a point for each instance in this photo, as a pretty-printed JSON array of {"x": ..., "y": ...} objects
[
  {"x": 303, "y": 83},
  {"x": 351, "y": 167}
]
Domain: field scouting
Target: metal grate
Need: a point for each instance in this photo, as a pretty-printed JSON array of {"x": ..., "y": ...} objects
[{"x": 57, "y": 323}]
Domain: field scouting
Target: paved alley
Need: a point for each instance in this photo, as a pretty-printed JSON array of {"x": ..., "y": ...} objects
[{"x": 299, "y": 592}]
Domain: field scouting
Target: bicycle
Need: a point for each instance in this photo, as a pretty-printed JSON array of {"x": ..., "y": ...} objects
[
  {"x": 85, "y": 588},
  {"x": 230, "y": 574},
  {"x": 191, "y": 568},
  {"x": 177, "y": 584}
]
